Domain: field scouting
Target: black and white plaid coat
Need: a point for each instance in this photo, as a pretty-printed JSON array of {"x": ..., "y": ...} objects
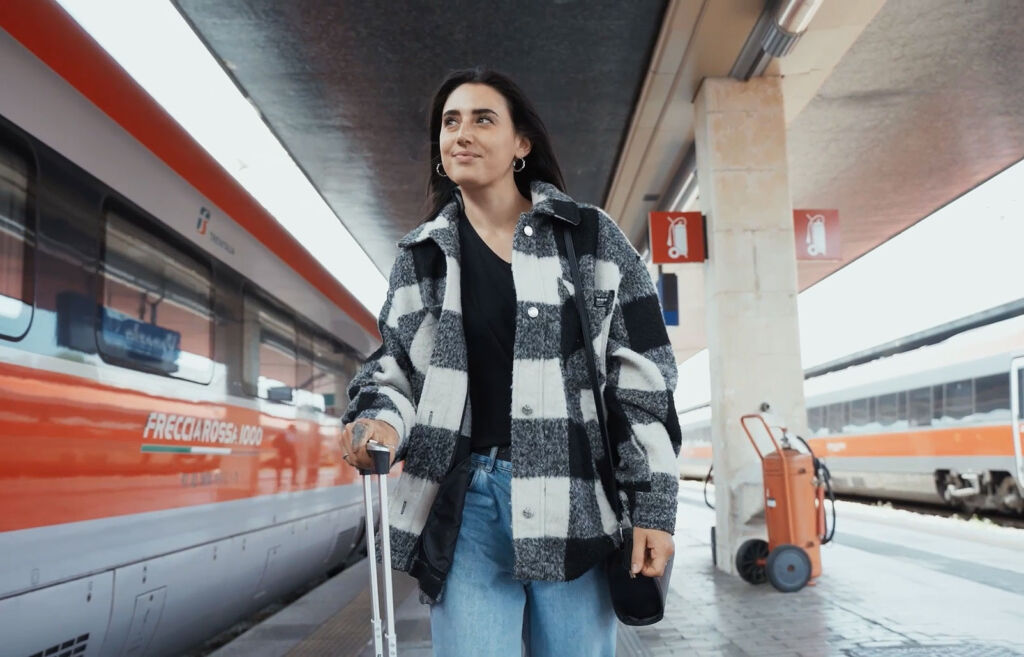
[{"x": 562, "y": 523}]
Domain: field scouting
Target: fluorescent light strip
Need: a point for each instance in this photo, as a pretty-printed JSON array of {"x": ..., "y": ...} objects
[{"x": 155, "y": 45}]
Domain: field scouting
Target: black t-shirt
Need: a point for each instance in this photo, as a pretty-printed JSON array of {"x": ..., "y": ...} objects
[{"x": 489, "y": 319}]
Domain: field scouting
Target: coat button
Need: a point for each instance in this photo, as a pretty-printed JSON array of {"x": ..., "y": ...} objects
[
  {"x": 529, "y": 231},
  {"x": 527, "y": 514},
  {"x": 527, "y": 410},
  {"x": 532, "y": 311}
]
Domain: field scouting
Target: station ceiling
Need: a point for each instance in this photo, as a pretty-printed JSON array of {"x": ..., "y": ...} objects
[
  {"x": 894, "y": 108},
  {"x": 347, "y": 87}
]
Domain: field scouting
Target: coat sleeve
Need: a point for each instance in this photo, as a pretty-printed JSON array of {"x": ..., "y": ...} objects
[
  {"x": 640, "y": 384},
  {"x": 381, "y": 389}
]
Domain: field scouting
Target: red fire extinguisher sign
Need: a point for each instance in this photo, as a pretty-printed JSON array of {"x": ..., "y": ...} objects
[
  {"x": 817, "y": 234},
  {"x": 676, "y": 237}
]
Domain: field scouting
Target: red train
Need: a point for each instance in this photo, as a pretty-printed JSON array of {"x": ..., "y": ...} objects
[{"x": 172, "y": 369}]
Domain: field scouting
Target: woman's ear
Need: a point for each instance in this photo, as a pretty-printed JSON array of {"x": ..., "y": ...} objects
[{"x": 523, "y": 146}]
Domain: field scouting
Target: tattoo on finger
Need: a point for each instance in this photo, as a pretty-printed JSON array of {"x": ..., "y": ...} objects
[{"x": 358, "y": 431}]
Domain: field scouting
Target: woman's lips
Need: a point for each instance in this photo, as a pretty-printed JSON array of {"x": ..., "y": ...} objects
[{"x": 464, "y": 157}]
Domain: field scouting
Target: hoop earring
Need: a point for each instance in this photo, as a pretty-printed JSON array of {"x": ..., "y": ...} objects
[
  {"x": 437, "y": 168},
  {"x": 522, "y": 164}
]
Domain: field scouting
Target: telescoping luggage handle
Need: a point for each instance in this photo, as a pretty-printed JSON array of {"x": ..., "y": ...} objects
[{"x": 381, "y": 456}]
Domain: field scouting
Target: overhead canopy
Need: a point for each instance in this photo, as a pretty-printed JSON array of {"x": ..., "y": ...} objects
[
  {"x": 894, "y": 108},
  {"x": 347, "y": 87}
]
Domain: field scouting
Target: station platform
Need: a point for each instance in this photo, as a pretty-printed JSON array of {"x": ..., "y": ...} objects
[{"x": 895, "y": 584}]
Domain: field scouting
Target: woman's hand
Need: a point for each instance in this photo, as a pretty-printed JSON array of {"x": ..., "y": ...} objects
[
  {"x": 355, "y": 435},
  {"x": 651, "y": 551}
]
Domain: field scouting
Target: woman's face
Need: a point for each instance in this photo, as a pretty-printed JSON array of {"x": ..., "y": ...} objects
[{"x": 478, "y": 140}]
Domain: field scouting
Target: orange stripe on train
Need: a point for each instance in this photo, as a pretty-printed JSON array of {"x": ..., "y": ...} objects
[
  {"x": 72, "y": 449},
  {"x": 993, "y": 440}
]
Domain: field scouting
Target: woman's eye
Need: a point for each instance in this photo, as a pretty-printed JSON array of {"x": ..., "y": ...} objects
[
  {"x": 485, "y": 118},
  {"x": 448, "y": 122}
]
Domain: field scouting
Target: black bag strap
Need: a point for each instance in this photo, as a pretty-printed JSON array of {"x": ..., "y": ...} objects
[{"x": 588, "y": 352}]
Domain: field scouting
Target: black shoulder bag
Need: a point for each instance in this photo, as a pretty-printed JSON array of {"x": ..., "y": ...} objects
[{"x": 638, "y": 600}]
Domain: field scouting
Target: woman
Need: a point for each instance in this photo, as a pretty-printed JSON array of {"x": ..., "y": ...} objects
[{"x": 482, "y": 353}]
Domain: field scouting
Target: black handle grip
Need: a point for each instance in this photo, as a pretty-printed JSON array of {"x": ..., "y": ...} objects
[{"x": 381, "y": 456}]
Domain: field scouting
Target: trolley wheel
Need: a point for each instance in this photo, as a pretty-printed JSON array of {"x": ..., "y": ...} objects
[
  {"x": 788, "y": 568},
  {"x": 714, "y": 548},
  {"x": 750, "y": 560}
]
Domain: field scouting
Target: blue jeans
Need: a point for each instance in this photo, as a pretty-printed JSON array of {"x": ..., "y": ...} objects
[{"x": 481, "y": 611}]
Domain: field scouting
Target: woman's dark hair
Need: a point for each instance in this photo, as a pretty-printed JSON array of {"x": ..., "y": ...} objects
[{"x": 540, "y": 163}]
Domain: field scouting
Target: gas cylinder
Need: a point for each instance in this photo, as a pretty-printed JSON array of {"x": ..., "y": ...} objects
[{"x": 793, "y": 513}]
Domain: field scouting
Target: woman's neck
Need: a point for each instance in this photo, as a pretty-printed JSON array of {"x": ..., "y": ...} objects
[{"x": 495, "y": 209}]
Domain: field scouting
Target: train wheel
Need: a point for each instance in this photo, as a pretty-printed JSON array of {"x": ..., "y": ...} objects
[
  {"x": 788, "y": 568},
  {"x": 750, "y": 560},
  {"x": 1008, "y": 497},
  {"x": 968, "y": 507}
]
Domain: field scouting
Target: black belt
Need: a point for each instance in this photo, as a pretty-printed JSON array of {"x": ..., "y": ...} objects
[{"x": 504, "y": 452}]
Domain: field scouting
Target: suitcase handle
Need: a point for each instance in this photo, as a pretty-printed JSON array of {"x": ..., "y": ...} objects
[{"x": 381, "y": 455}]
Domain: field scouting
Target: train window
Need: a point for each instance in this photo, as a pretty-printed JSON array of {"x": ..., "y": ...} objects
[
  {"x": 920, "y": 403},
  {"x": 228, "y": 342},
  {"x": 270, "y": 366},
  {"x": 835, "y": 415},
  {"x": 1020, "y": 393},
  {"x": 937, "y": 402},
  {"x": 888, "y": 409},
  {"x": 331, "y": 371},
  {"x": 959, "y": 402},
  {"x": 155, "y": 310},
  {"x": 815, "y": 421},
  {"x": 860, "y": 413},
  {"x": 16, "y": 243},
  {"x": 304, "y": 369},
  {"x": 67, "y": 255},
  {"x": 992, "y": 395}
]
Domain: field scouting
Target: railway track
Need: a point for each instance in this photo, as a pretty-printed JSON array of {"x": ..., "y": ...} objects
[{"x": 991, "y": 517}]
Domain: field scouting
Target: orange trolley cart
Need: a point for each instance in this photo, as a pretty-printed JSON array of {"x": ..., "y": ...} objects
[{"x": 795, "y": 485}]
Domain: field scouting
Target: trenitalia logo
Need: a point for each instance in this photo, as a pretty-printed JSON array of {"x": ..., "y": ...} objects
[
  {"x": 203, "y": 221},
  {"x": 202, "y": 227}
]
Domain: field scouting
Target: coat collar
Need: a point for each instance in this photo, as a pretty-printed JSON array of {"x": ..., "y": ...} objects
[{"x": 547, "y": 199}]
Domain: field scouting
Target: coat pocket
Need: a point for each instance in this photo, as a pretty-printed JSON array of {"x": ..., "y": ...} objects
[{"x": 599, "y": 302}]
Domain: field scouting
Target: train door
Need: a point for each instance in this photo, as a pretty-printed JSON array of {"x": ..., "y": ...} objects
[{"x": 1016, "y": 394}]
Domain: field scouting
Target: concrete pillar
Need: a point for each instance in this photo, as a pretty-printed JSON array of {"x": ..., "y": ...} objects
[{"x": 751, "y": 288}]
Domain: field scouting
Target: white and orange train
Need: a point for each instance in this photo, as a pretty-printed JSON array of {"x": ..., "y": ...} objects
[
  {"x": 172, "y": 369},
  {"x": 940, "y": 424}
]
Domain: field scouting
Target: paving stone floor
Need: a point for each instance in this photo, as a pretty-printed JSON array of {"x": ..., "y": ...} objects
[
  {"x": 868, "y": 602},
  {"x": 894, "y": 585}
]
